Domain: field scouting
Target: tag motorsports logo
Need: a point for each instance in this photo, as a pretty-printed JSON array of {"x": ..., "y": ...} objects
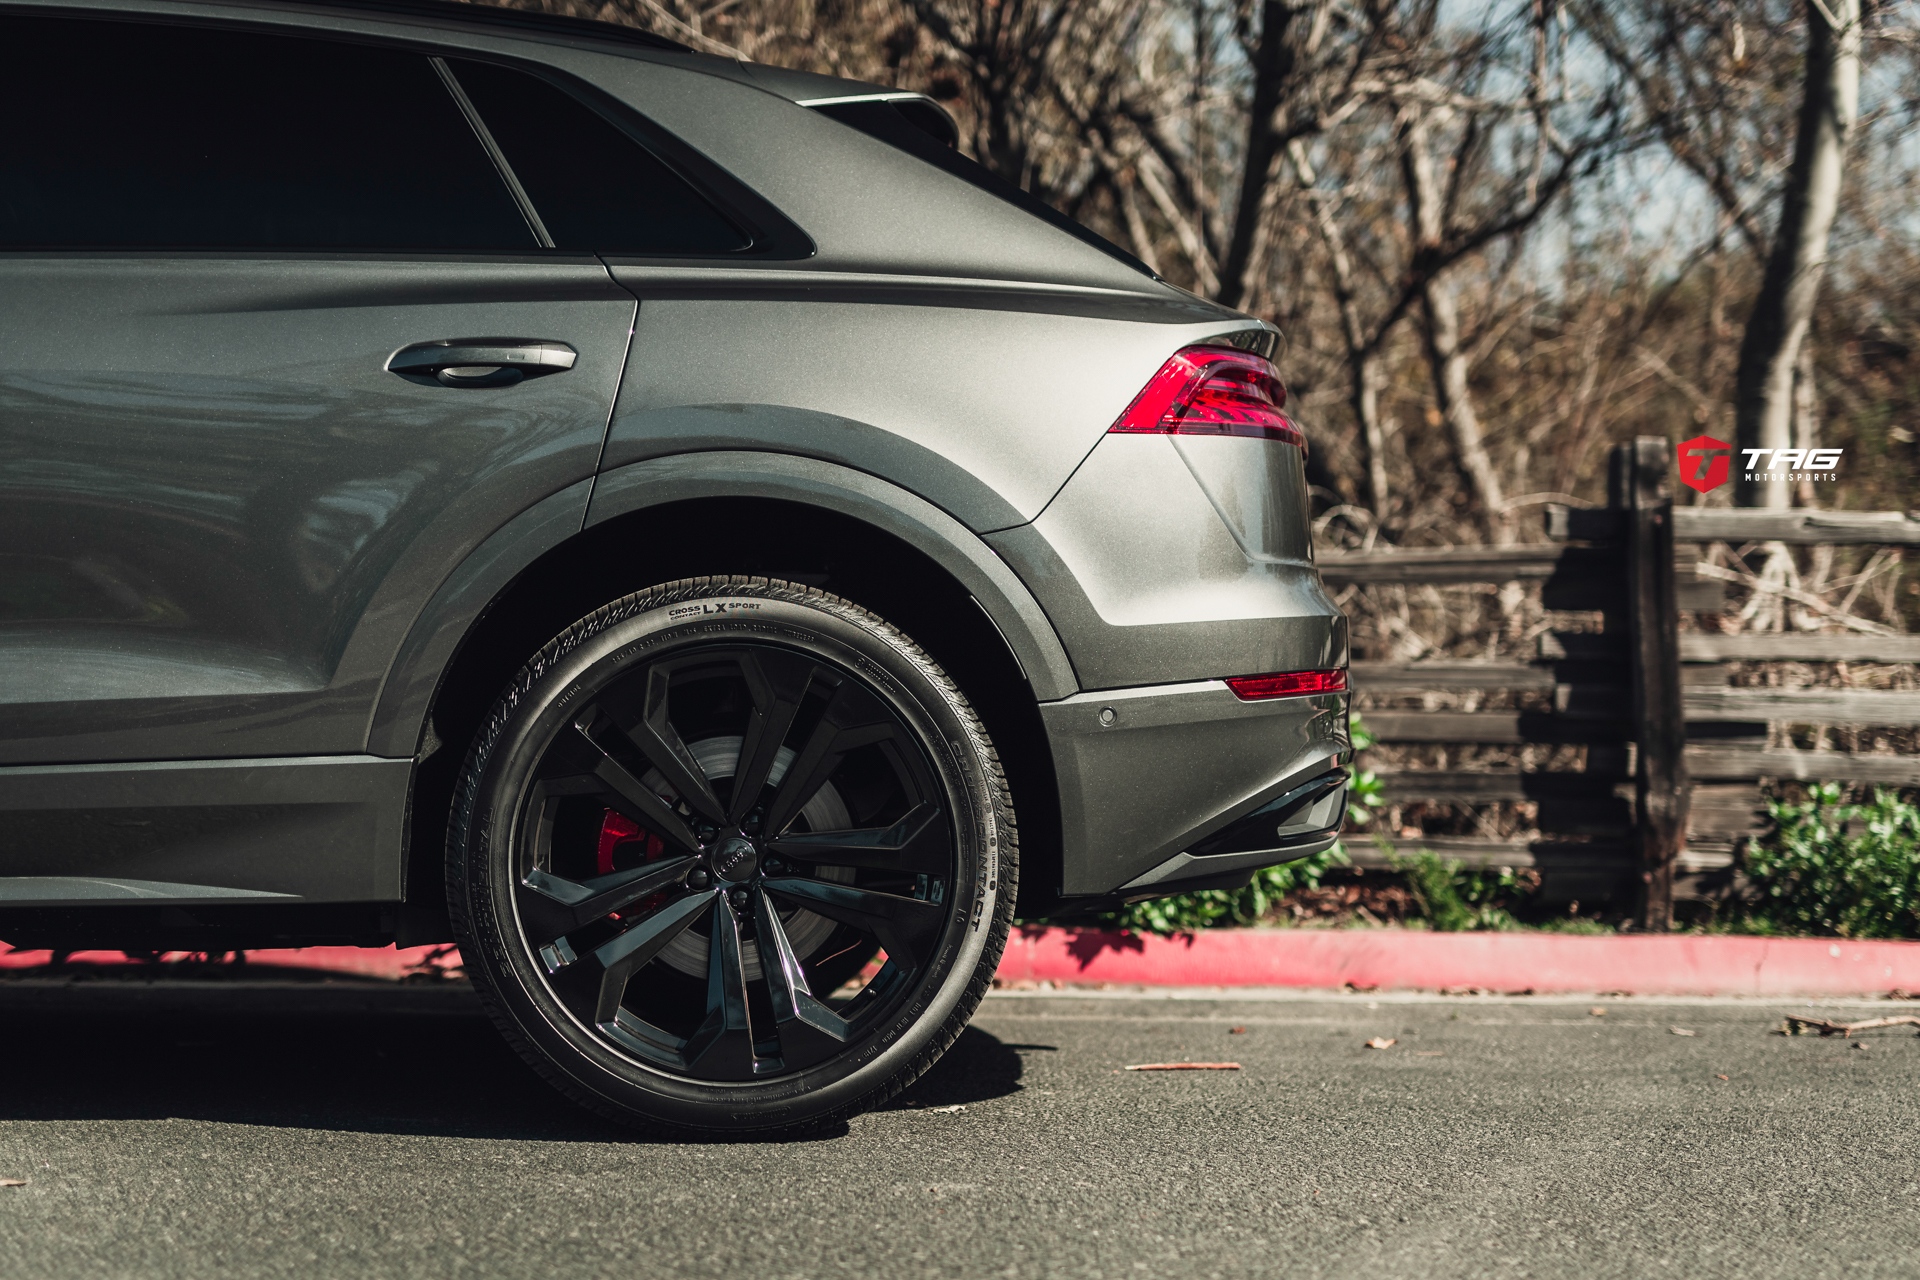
[{"x": 1705, "y": 463}]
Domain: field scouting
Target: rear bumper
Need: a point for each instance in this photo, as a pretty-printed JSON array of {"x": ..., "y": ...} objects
[
  {"x": 1165, "y": 564},
  {"x": 1170, "y": 784}
]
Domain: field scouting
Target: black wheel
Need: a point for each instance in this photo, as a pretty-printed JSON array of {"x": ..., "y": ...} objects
[{"x": 690, "y": 823}]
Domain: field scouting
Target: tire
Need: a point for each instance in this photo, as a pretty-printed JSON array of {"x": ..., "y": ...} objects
[{"x": 663, "y": 945}]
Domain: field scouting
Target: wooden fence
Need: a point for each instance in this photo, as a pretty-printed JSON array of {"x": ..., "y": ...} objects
[{"x": 1674, "y": 756}]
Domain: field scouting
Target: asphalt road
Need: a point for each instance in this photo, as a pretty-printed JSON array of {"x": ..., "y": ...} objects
[{"x": 388, "y": 1133}]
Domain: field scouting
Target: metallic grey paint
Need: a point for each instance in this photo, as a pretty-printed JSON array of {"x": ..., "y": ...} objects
[
  {"x": 1255, "y": 489},
  {"x": 1148, "y": 584},
  {"x": 227, "y": 531},
  {"x": 217, "y": 502},
  {"x": 319, "y": 828},
  {"x": 1172, "y": 764},
  {"x": 887, "y": 507},
  {"x": 400, "y": 716},
  {"x": 942, "y": 387},
  {"x": 72, "y": 890}
]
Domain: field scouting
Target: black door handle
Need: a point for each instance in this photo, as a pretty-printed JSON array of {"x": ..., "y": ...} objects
[{"x": 480, "y": 362}]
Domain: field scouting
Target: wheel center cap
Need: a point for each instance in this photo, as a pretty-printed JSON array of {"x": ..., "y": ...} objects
[{"x": 735, "y": 859}]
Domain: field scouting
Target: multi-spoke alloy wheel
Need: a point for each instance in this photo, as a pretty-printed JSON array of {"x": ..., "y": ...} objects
[{"x": 734, "y": 855}]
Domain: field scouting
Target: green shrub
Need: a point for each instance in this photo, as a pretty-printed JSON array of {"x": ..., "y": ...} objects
[
  {"x": 1454, "y": 899},
  {"x": 1585, "y": 925},
  {"x": 1364, "y": 794},
  {"x": 1830, "y": 867}
]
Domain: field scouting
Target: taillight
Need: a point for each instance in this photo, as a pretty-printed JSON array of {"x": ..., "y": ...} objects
[
  {"x": 1287, "y": 684},
  {"x": 1214, "y": 391}
]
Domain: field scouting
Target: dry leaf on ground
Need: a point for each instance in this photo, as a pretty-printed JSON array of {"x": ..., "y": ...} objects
[
  {"x": 1184, "y": 1066},
  {"x": 1382, "y": 1042},
  {"x": 1597, "y": 1012},
  {"x": 1682, "y": 1031}
]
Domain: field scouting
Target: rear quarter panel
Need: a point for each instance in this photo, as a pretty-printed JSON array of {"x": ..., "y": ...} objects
[{"x": 980, "y": 399}]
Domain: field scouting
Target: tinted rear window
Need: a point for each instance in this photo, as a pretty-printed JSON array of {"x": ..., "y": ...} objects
[
  {"x": 596, "y": 189},
  {"x": 122, "y": 134}
]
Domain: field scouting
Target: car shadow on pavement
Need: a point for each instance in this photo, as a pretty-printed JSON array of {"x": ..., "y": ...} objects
[
  {"x": 978, "y": 1068},
  {"x": 369, "y": 1059}
]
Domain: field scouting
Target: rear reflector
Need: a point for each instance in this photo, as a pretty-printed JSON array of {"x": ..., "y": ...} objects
[
  {"x": 1287, "y": 684},
  {"x": 1214, "y": 391}
]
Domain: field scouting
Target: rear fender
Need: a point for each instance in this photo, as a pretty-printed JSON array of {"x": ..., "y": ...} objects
[{"x": 399, "y": 721}]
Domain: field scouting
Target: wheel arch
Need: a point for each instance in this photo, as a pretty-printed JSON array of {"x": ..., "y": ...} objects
[{"x": 766, "y": 514}]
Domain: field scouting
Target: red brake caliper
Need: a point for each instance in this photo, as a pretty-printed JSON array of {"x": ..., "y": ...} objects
[{"x": 617, "y": 830}]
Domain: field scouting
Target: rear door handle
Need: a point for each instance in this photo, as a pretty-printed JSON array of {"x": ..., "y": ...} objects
[{"x": 480, "y": 362}]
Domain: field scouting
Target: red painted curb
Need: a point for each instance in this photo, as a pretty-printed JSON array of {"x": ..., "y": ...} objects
[
  {"x": 1405, "y": 959},
  {"x": 1367, "y": 959}
]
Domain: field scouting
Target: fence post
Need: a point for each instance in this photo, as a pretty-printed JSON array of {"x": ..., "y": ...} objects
[{"x": 1662, "y": 792}]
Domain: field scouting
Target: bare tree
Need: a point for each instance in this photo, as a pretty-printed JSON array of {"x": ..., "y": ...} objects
[
  {"x": 1303, "y": 69},
  {"x": 1478, "y": 171},
  {"x": 1708, "y": 74},
  {"x": 1008, "y": 51},
  {"x": 1446, "y": 351},
  {"x": 1769, "y": 353},
  {"x": 1363, "y": 354}
]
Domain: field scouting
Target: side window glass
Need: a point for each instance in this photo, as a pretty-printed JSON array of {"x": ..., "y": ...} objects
[
  {"x": 137, "y": 135},
  {"x": 596, "y": 189}
]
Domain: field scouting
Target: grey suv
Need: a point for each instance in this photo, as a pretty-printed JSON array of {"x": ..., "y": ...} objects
[{"x": 651, "y": 519}]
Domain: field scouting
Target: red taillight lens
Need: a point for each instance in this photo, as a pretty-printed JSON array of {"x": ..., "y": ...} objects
[
  {"x": 1287, "y": 684},
  {"x": 1214, "y": 391}
]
